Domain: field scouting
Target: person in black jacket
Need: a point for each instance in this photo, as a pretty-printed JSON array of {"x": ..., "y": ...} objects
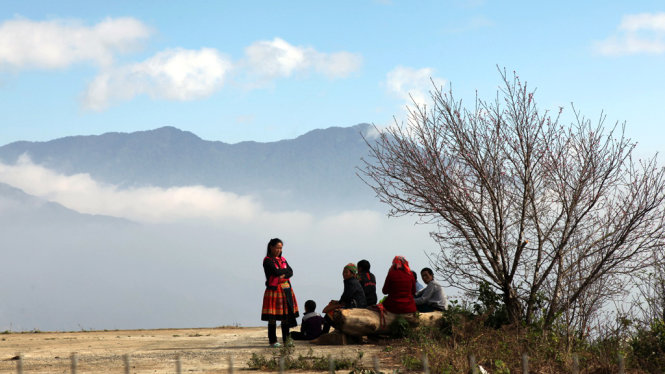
[
  {"x": 352, "y": 297},
  {"x": 367, "y": 281}
]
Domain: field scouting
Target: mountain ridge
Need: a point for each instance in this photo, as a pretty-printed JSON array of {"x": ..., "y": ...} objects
[
  {"x": 316, "y": 169},
  {"x": 17, "y": 206}
]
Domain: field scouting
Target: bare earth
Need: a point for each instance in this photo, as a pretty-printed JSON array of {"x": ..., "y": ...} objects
[{"x": 201, "y": 350}]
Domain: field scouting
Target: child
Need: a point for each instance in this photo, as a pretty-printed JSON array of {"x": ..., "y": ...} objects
[{"x": 312, "y": 323}]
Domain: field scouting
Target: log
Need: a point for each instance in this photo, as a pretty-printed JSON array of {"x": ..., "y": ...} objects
[{"x": 362, "y": 322}]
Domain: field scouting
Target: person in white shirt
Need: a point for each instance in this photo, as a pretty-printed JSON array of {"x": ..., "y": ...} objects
[{"x": 431, "y": 298}]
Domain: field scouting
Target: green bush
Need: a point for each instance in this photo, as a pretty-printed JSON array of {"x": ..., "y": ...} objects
[
  {"x": 491, "y": 305},
  {"x": 648, "y": 347},
  {"x": 400, "y": 328},
  {"x": 453, "y": 317}
]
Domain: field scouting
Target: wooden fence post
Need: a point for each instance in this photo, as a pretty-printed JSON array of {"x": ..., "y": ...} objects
[
  {"x": 331, "y": 365},
  {"x": 75, "y": 362},
  {"x": 125, "y": 357},
  {"x": 473, "y": 368},
  {"x": 281, "y": 365},
  {"x": 576, "y": 364},
  {"x": 178, "y": 364},
  {"x": 231, "y": 368},
  {"x": 525, "y": 363},
  {"x": 425, "y": 364},
  {"x": 19, "y": 364},
  {"x": 622, "y": 368},
  {"x": 376, "y": 365}
]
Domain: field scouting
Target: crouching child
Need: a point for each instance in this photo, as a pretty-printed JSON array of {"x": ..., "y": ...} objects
[{"x": 312, "y": 323}]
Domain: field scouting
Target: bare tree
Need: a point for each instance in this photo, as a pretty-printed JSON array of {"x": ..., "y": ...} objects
[
  {"x": 541, "y": 211},
  {"x": 651, "y": 295}
]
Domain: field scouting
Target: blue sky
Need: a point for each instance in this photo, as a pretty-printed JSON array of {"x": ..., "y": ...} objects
[{"x": 266, "y": 70}]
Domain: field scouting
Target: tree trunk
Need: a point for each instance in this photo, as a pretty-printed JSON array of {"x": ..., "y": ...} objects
[
  {"x": 513, "y": 306},
  {"x": 362, "y": 322}
]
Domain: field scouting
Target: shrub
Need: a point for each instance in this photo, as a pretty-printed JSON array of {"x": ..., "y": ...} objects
[
  {"x": 400, "y": 328},
  {"x": 306, "y": 362},
  {"x": 648, "y": 347},
  {"x": 491, "y": 305}
]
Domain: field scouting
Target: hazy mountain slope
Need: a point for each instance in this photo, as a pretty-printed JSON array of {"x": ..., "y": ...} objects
[
  {"x": 316, "y": 169},
  {"x": 17, "y": 207}
]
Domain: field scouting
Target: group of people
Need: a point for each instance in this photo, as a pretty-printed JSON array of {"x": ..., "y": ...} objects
[{"x": 400, "y": 287}]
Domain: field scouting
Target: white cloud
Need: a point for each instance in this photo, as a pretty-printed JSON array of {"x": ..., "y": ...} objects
[
  {"x": 336, "y": 65},
  {"x": 175, "y": 74},
  {"x": 643, "y": 21},
  {"x": 373, "y": 132},
  {"x": 59, "y": 43},
  {"x": 637, "y": 34},
  {"x": 81, "y": 193},
  {"x": 412, "y": 85},
  {"x": 182, "y": 75},
  {"x": 278, "y": 58}
]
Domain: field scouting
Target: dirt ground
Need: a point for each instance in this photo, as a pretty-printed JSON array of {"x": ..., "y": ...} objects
[{"x": 201, "y": 350}]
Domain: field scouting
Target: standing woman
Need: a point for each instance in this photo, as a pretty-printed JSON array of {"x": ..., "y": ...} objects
[{"x": 279, "y": 301}]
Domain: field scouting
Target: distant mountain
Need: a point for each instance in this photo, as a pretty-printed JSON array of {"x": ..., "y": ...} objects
[
  {"x": 316, "y": 171},
  {"x": 17, "y": 207}
]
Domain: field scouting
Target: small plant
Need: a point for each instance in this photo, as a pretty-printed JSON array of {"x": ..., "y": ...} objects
[
  {"x": 364, "y": 371},
  {"x": 286, "y": 349},
  {"x": 453, "y": 317},
  {"x": 307, "y": 362},
  {"x": 412, "y": 363},
  {"x": 400, "y": 328},
  {"x": 257, "y": 362},
  {"x": 501, "y": 367}
]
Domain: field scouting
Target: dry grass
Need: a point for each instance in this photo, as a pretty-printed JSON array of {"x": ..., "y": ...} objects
[{"x": 500, "y": 350}]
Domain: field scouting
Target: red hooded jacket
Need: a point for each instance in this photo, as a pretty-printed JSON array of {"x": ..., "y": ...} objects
[{"x": 400, "y": 286}]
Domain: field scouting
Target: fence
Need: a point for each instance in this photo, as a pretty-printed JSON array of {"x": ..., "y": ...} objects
[{"x": 474, "y": 368}]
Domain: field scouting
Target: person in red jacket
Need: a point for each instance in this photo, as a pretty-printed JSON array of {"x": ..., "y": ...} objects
[{"x": 400, "y": 286}]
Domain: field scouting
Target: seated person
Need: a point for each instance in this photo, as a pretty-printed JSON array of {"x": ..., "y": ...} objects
[
  {"x": 312, "y": 323},
  {"x": 352, "y": 297},
  {"x": 400, "y": 286},
  {"x": 419, "y": 286},
  {"x": 431, "y": 298},
  {"x": 367, "y": 281}
]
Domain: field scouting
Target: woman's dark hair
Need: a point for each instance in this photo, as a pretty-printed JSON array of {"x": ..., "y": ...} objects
[
  {"x": 415, "y": 276},
  {"x": 273, "y": 242},
  {"x": 363, "y": 265}
]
